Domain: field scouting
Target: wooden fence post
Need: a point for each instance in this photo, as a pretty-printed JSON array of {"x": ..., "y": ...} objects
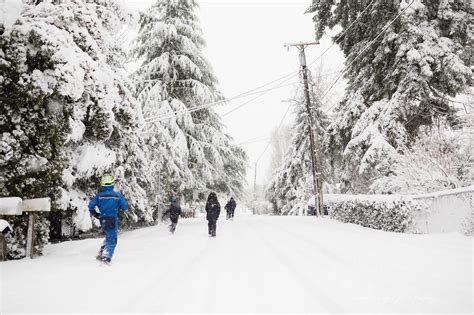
[{"x": 30, "y": 236}]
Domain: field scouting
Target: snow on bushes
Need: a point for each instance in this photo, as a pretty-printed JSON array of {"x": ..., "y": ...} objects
[
  {"x": 388, "y": 212},
  {"x": 68, "y": 115},
  {"x": 16, "y": 243}
]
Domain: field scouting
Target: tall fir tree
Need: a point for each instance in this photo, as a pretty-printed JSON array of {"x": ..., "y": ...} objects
[
  {"x": 396, "y": 84},
  {"x": 190, "y": 150},
  {"x": 292, "y": 184},
  {"x": 67, "y": 115}
]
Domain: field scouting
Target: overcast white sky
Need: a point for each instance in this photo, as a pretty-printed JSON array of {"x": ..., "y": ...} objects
[{"x": 245, "y": 47}]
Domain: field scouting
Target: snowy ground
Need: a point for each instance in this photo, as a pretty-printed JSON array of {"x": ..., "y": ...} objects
[{"x": 256, "y": 264}]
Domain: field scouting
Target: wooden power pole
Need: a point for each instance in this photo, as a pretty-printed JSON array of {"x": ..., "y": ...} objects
[{"x": 313, "y": 134}]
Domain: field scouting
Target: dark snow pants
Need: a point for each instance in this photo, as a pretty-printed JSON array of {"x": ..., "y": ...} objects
[
  {"x": 172, "y": 227},
  {"x": 212, "y": 224}
]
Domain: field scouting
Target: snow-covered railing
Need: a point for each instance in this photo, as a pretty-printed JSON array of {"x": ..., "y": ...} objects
[
  {"x": 444, "y": 193},
  {"x": 445, "y": 211},
  {"x": 439, "y": 212}
]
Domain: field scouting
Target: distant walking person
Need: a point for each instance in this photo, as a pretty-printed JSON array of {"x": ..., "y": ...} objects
[
  {"x": 213, "y": 209},
  {"x": 109, "y": 202},
  {"x": 230, "y": 207},
  {"x": 174, "y": 211}
]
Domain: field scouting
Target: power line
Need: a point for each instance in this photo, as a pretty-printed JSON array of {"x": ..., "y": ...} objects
[
  {"x": 253, "y": 141},
  {"x": 258, "y": 96},
  {"x": 248, "y": 102},
  {"x": 366, "y": 47},
  {"x": 157, "y": 118},
  {"x": 343, "y": 32},
  {"x": 250, "y": 92}
]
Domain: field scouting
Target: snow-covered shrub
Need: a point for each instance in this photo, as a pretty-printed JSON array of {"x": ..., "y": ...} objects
[
  {"x": 16, "y": 243},
  {"x": 436, "y": 161},
  {"x": 388, "y": 213}
]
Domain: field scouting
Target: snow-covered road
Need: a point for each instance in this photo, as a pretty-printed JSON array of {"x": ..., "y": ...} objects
[{"x": 256, "y": 264}]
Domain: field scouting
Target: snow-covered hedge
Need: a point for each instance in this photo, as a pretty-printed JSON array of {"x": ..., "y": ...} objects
[
  {"x": 16, "y": 243},
  {"x": 389, "y": 213}
]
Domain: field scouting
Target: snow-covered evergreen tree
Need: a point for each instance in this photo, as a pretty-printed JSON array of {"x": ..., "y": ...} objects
[
  {"x": 397, "y": 84},
  {"x": 33, "y": 127},
  {"x": 292, "y": 182},
  {"x": 189, "y": 150},
  {"x": 107, "y": 119},
  {"x": 67, "y": 115}
]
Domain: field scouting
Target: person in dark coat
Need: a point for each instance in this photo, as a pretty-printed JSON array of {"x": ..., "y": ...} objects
[
  {"x": 230, "y": 207},
  {"x": 213, "y": 210},
  {"x": 174, "y": 211}
]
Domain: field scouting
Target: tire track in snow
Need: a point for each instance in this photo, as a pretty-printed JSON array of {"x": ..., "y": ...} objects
[
  {"x": 166, "y": 278},
  {"x": 316, "y": 292},
  {"x": 364, "y": 274},
  {"x": 315, "y": 249},
  {"x": 193, "y": 269}
]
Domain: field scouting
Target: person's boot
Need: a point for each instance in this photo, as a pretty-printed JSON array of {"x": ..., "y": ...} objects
[
  {"x": 100, "y": 253},
  {"x": 106, "y": 260}
]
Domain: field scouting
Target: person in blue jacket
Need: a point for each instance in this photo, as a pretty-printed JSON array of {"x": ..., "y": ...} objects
[{"x": 109, "y": 202}]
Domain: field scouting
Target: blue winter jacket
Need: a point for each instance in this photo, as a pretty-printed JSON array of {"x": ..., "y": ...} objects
[{"x": 109, "y": 202}]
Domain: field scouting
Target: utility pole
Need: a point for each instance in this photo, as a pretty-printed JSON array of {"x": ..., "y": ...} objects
[{"x": 313, "y": 134}]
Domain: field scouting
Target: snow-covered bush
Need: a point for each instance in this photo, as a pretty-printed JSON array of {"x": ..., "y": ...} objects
[
  {"x": 436, "y": 161},
  {"x": 388, "y": 213},
  {"x": 16, "y": 243}
]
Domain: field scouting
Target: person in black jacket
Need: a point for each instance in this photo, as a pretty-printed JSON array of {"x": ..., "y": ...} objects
[
  {"x": 230, "y": 207},
  {"x": 174, "y": 211},
  {"x": 213, "y": 209}
]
